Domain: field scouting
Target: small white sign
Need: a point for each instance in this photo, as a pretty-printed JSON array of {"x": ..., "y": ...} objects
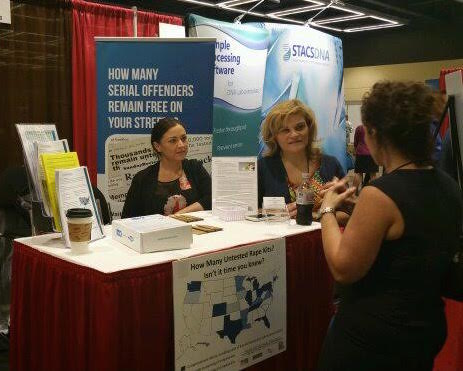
[
  {"x": 5, "y": 11},
  {"x": 273, "y": 203},
  {"x": 234, "y": 182},
  {"x": 171, "y": 30}
]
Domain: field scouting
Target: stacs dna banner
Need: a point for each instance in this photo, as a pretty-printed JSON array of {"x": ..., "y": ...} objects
[
  {"x": 240, "y": 54},
  {"x": 307, "y": 64}
]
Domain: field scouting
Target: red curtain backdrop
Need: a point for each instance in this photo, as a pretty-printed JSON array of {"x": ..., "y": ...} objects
[
  {"x": 444, "y": 72},
  {"x": 450, "y": 357},
  {"x": 90, "y": 20}
]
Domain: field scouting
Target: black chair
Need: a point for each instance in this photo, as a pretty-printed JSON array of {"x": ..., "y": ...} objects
[
  {"x": 15, "y": 221},
  {"x": 15, "y": 202},
  {"x": 103, "y": 207}
]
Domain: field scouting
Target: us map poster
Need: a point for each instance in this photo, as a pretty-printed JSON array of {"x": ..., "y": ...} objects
[{"x": 230, "y": 307}]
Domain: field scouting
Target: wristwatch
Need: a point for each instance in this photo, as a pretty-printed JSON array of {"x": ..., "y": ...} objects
[{"x": 326, "y": 210}]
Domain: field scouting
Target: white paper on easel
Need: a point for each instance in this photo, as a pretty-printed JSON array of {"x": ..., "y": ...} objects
[
  {"x": 171, "y": 30},
  {"x": 234, "y": 180},
  {"x": 57, "y": 146},
  {"x": 5, "y": 11},
  {"x": 74, "y": 190},
  {"x": 28, "y": 134}
]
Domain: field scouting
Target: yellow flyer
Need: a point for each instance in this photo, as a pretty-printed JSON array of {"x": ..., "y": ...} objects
[{"x": 50, "y": 163}]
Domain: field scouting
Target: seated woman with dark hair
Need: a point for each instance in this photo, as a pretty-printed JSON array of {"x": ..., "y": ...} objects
[
  {"x": 290, "y": 132},
  {"x": 173, "y": 184},
  {"x": 398, "y": 245}
]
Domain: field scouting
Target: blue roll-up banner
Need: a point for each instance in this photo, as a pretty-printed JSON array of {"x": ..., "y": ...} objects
[
  {"x": 140, "y": 81},
  {"x": 307, "y": 64},
  {"x": 240, "y": 54}
]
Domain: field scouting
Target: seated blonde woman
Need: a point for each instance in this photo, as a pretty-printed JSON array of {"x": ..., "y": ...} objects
[{"x": 290, "y": 132}]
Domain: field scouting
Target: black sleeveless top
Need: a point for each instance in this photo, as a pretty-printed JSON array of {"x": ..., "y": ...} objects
[
  {"x": 173, "y": 196},
  {"x": 397, "y": 308}
]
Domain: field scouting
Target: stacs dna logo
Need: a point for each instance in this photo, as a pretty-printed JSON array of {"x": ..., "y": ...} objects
[
  {"x": 305, "y": 53},
  {"x": 286, "y": 52}
]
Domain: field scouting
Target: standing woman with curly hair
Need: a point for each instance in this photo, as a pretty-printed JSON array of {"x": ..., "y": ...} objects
[{"x": 397, "y": 246}]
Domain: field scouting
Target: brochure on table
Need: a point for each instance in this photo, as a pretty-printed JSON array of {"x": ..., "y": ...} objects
[
  {"x": 57, "y": 146},
  {"x": 50, "y": 163},
  {"x": 74, "y": 190},
  {"x": 230, "y": 307},
  {"x": 28, "y": 134}
]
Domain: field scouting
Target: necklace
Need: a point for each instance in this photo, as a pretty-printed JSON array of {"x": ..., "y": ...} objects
[
  {"x": 401, "y": 166},
  {"x": 166, "y": 175}
]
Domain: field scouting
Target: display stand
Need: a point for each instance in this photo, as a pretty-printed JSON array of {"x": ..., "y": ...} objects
[
  {"x": 40, "y": 222},
  {"x": 453, "y": 127},
  {"x": 456, "y": 150}
]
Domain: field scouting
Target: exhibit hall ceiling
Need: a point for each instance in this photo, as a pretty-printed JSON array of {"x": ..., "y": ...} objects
[{"x": 341, "y": 17}]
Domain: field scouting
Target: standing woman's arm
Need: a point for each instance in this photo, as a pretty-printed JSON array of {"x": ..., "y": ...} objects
[{"x": 351, "y": 254}]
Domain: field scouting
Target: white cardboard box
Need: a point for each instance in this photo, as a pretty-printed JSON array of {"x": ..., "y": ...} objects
[{"x": 152, "y": 233}]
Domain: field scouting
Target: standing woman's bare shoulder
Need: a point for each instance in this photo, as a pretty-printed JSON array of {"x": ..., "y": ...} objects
[
  {"x": 375, "y": 218},
  {"x": 376, "y": 214}
]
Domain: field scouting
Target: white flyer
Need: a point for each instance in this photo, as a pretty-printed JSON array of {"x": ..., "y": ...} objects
[
  {"x": 230, "y": 307},
  {"x": 5, "y": 11},
  {"x": 73, "y": 189},
  {"x": 234, "y": 181}
]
